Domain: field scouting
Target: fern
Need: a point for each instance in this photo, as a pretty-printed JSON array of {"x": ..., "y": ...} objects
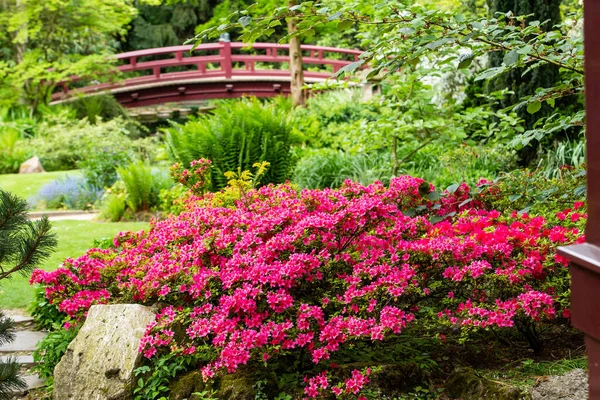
[
  {"x": 142, "y": 185},
  {"x": 236, "y": 136}
]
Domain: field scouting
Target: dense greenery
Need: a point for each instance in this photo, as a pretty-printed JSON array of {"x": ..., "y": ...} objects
[{"x": 482, "y": 99}]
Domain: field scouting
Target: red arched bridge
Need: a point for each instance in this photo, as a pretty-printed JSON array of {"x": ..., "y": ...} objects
[{"x": 210, "y": 71}]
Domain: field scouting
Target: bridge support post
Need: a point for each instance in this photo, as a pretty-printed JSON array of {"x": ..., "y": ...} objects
[{"x": 225, "y": 53}]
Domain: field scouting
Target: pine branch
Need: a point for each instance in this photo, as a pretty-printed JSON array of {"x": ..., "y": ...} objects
[
  {"x": 33, "y": 243},
  {"x": 13, "y": 211},
  {"x": 7, "y": 333},
  {"x": 9, "y": 379}
]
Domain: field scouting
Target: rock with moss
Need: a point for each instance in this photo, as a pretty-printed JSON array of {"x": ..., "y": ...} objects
[
  {"x": 467, "y": 384},
  {"x": 99, "y": 362},
  {"x": 237, "y": 386},
  {"x": 390, "y": 379}
]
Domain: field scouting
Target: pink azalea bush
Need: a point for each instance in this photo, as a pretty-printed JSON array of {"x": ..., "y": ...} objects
[{"x": 316, "y": 270}]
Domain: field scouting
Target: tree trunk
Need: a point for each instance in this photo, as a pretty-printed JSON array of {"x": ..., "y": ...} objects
[
  {"x": 296, "y": 71},
  {"x": 21, "y": 46}
]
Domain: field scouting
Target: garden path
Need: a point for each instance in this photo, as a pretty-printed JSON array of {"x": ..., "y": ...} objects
[
  {"x": 77, "y": 215},
  {"x": 22, "y": 349}
]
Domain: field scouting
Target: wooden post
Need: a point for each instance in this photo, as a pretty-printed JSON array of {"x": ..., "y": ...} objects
[
  {"x": 585, "y": 266},
  {"x": 296, "y": 71},
  {"x": 225, "y": 53}
]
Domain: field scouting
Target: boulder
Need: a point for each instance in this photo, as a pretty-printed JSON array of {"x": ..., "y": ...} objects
[
  {"x": 571, "y": 386},
  {"x": 235, "y": 386},
  {"x": 31, "y": 166},
  {"x": 99, "y": 362}
]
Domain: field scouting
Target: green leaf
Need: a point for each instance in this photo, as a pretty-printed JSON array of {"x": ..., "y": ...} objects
[
  {"x": 343, "y": 25},
  {"x": 335, "y": 16},
  {"x": 438, "y": 43},
  {"x": 514, "y": 197},
  {"x": 465, "y": 61},
  {"x": 434, "y": 196},
  {"x": 511, "y": 58},
  {"x": 534, "y": 107},
  {"x": 581, "y": 190},
  {"x": 410, "y": 212},
  {"x": 525, "y": 49},
  {"x": 452, "y": 188},
  {"x": 464, "y": 203},
  {"x": 459, "y": 18},
  {"x": 490, "y": 73},
  {"x": 551, "y": 102},
  {"x": 245, "y": 21}
]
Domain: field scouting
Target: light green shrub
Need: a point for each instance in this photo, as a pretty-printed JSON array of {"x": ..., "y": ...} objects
[
  {"x": 12, "y": 151},
  {"x": 113, "y": 207},
  {"x": 63, "y": 146},
  {"x": 143, "y": 185},
  {"x": 322, "y": 168}
]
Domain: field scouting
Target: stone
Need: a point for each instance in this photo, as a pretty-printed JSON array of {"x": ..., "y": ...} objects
[
  {"x": 235, "y": 386},
  {"x": 99, "y": 362},
  {"x": 25, "y": 361},
  {"x": 25, "y": 341},
  {"x": 31, "y": 166},
  {"x": 571, "y": 386}
]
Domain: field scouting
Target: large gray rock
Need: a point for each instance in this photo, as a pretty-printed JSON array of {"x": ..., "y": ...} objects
[
  {"x": 99, "y": 363},
  {"x": 31, "y": 166},
  {"x": 571, "y": 386}
]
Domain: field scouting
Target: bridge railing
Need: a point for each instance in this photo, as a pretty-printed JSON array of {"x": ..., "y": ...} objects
[{"x": 232, "y": 58}]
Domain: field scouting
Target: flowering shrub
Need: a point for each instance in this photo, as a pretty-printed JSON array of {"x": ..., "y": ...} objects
[
  {"x": 74, "y": 193},
  {"x": 196, "y": 178},
  {"x": 317, "y": 270}
]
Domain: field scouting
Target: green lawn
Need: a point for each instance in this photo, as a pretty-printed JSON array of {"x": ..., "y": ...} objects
[
  {"x": 74, "y": 238},
  {"x": 26, "y": 185}
]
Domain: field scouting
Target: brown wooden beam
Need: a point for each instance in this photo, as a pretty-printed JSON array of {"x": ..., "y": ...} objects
[{"x": 585, "y": 258}]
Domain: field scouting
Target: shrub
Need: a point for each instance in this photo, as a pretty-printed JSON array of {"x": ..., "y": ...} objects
[
  {"x": 328, "y": 117},
  {"x": 12, "y": 152},
  {"x": 238, "y": 135},
  {"x": 63, "y": 146},
  {"x": 50, "y": 351},
  {"x": 113, "y": 207},
  {"x": 564, "y": 155},
  {"x": 70, "y": 192},
  {"x": 459, "y": 162},
  {"x": 289, "y": 273},
  {"x": 143, "y": 185},
  {"x": 97, "y": 108},
  {"x": 100, "y": 168},
  {"x": 328, "y": 168}
]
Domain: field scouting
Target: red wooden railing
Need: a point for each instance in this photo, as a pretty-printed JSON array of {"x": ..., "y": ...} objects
[{"x": 225, "y": 60}]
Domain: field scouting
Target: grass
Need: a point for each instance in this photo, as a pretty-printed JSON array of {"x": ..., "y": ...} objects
[
  {"x": 74, "y": 238},
  {"x": 528, "y": 373},
  {"x": 27, "y": 185}
]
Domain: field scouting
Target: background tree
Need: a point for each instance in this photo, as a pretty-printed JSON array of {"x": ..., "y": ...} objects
[
  {"x": 24, "y": 245},
  {"x": 544, "y": 76},
  {"x": 296, "y": 70},
  {"x": 170, "y": 24},
  {"x": 43, "y": 42}
]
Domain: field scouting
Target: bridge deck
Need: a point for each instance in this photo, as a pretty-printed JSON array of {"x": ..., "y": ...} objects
[{"x": 213, "y": 70}]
